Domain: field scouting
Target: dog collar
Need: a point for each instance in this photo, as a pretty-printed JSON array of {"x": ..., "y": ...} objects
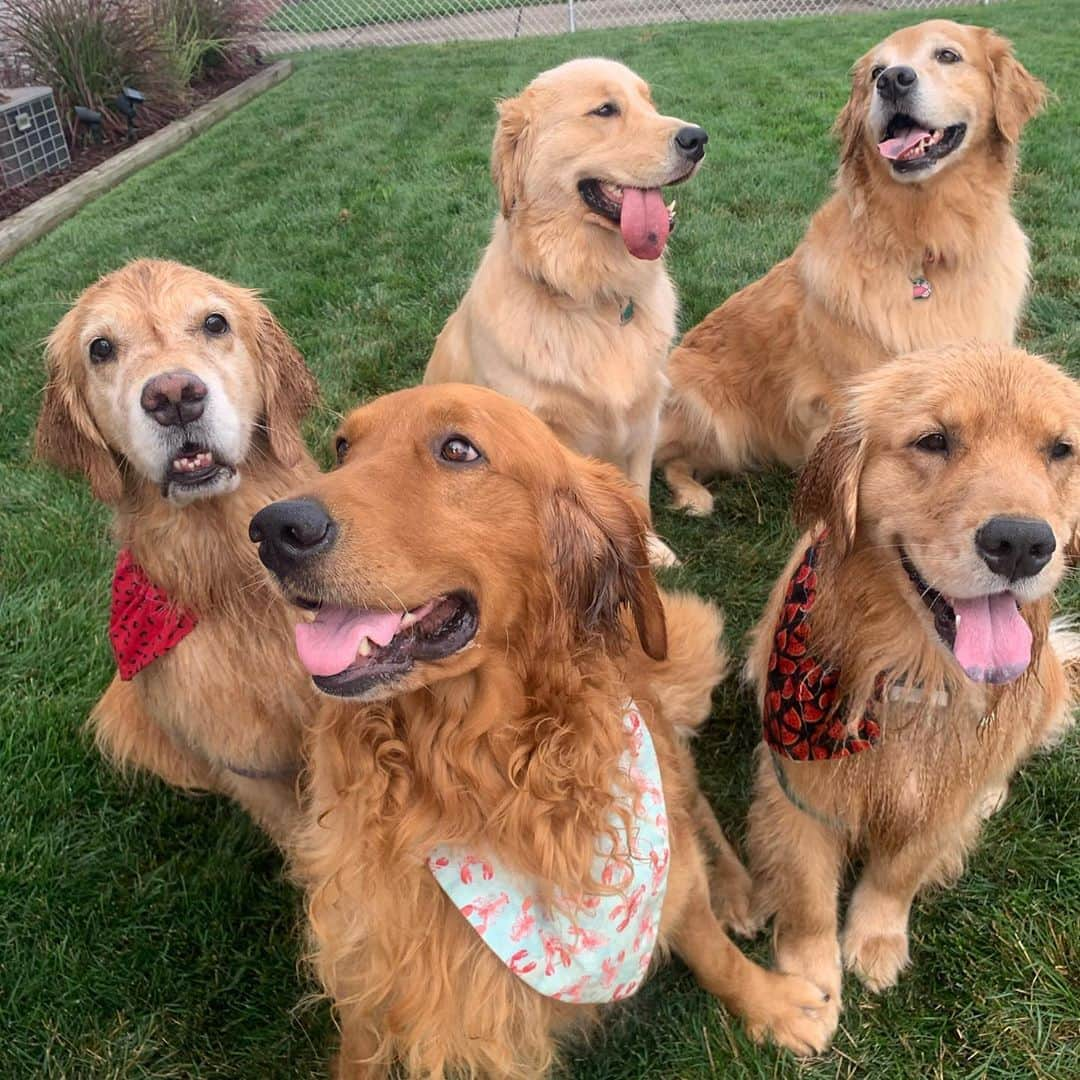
[
  {"x": 921, "y": 289},
  {"x": 803, "y": 717},
  {"x": 593, "y": 948},
  {"x": 144, "y": 624},
  {"x": 627, "y": 312}
]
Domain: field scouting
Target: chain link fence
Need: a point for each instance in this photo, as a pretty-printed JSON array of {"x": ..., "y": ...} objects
[{"x": 293, "y": 25}]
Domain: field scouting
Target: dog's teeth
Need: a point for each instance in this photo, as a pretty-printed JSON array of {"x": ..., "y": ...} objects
[
  {"x": 409, "y": 619},
  {"x": 365, "y": 646},
  {"x": 671, "y": 207}
]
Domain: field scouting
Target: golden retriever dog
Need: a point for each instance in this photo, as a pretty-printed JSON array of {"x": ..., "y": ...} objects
[
  {"x": 180, "y": 398},
  {"x": 918, "y": 247},
  {"x": 507, "y": 693},
  {"x": 906, "y": 664},
  {"x": 572, "y": 311}
]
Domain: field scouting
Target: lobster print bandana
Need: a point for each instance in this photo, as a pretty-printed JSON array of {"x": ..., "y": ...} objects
[
  {"x": 585, "y": 949},
  {"x": 802, "y": 716},
  {"x": 143, "y": 623}
]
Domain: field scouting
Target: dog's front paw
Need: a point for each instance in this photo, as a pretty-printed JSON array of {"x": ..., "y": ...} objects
[
  {"x": 732, "y": 894},
  {"x": 660, "y": 555},
  {"x": 877, "y": 958},
  {"x": 875, "y": 940},
  {"x": 695, "y": 501},
  {"x": 794, "y": 1013}
]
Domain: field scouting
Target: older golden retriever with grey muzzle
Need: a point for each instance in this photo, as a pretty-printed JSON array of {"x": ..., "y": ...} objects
[
  {"x": 906, "y": 664},
  {"x": 918, "y": 247},
  {"x": 571, "y": 311},
  {"x": 180, "y": 398}
]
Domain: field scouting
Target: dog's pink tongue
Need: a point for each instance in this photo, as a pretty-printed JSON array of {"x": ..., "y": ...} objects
[
  {"x": 993, "y": 643},
  {"x": 328, "y": 645},
  {"x": 644, "y": 222},
  {"x": 893, "y": 148}
]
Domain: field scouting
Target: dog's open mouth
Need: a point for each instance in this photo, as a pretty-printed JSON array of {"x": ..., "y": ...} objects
[
  {"x": 910, "y": 145},
  {"x": 644, "y": 219},
  {"x": 986, "y": 634},
  {"x": 194, "y": 467},
  {"x": 348, "y": 651}
]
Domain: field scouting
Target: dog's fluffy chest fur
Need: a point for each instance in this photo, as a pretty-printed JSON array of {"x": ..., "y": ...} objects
[
  {"x": 590, "y": 364},
  {"x": 977, "y": 272}
]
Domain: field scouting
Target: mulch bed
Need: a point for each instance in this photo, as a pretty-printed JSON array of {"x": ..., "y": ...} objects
[{"x": 84, "y": 158}]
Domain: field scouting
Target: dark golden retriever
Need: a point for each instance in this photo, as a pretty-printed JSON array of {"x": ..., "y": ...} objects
[
  {"x": 482, "y": 616},
  {"x": 906, "y": 664},
  {"x": 918, "y": 247},
  {"x": 180, "y": 398}
]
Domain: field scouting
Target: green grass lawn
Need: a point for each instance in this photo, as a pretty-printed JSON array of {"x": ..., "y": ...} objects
[{"x": 147, "y": 933}]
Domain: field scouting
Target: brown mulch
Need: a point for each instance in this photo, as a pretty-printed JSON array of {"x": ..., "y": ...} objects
[{"x": 84, "y": 158}]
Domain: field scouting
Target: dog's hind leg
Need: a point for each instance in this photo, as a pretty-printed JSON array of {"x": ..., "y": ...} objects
[{"x": 730, "y": 886}]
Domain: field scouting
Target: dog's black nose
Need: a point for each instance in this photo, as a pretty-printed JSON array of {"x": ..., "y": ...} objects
[
  {"x": 893, "y": 83},
  {"x": 1015, "y": 547},
  {"x": 691, "y": 142},
  {"x": 174, "y": 397},
  {"x": 290, "y": 532}
]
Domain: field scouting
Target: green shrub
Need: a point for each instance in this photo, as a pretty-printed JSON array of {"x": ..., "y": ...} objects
[{"x": 86, "y": 50}]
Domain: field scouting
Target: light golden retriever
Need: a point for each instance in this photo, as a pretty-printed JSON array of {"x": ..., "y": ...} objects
[
  {"x": 571, "y": 311},
  {"x": 908, "y": 666},
  {"x": 180, "y": 398},
  {"x": 918, "y": 247},
  {"x": 482, "y": 612}
]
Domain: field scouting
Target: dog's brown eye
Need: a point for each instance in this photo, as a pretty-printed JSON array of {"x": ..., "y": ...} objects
[
  {"x": 1060, "y": 450},
  {"x": 101, "y": 349},
  {"x": 876, "y": 71},
  {"x": 458, "y": 451},
  {"x": 609, "y": 108},
  {"x": 934, "y": 443},
  {"x": 216, "y": 324},
  {"x": 341, "y": 448},
  {"x": 947, "y": 56}
]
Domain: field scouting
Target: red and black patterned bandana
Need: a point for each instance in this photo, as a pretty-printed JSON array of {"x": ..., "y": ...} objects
[
  {"x": 803, "y": 718},
  {"x": 143, "y": 623}
]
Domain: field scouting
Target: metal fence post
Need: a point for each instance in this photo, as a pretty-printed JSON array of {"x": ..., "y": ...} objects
[{"x": 570, "y": 14}]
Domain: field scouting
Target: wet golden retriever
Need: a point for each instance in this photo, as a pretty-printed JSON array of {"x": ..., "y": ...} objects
[
  {"x": 572, "y": 311},
  {"x": 906, "y": 664},
  {"x": 180, "y": 398},
  {"x": 482, "y": 613},
  {"x": 918, "y": 247}
]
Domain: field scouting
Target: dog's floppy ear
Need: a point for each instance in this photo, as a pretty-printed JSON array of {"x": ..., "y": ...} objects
[
  {"x": 597, "y": 530},
  {"x": 850, "y": 126},
  {"x": 828, "y": 489},
  {"x": 510, "y": 151},
  {"x": 1018, "y": 95},
  {"x": 66, "y": 435},
  {"x": 291, "y": 389}
]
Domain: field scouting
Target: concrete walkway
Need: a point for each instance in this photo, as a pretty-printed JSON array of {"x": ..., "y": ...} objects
[{"x": 531, "y": 20}]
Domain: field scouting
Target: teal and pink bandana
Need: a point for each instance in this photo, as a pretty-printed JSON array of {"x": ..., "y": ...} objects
[{"x": 591, "y": 949}]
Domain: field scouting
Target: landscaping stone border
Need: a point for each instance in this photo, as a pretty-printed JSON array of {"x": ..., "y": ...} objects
[{"x": 46, "y": 213}]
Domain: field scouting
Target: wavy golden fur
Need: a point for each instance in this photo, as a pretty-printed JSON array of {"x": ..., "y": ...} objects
[
  {"x": 223, "y": 710},
  {"x": 911, "y": 807},
  {"x": 511, "y": 743},
  {"x": 758, "y": 380}
]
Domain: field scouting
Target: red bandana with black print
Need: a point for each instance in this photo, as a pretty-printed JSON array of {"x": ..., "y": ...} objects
[
  {"x": 143, "y": 623},
  {"x": 802, "y": 716}
]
